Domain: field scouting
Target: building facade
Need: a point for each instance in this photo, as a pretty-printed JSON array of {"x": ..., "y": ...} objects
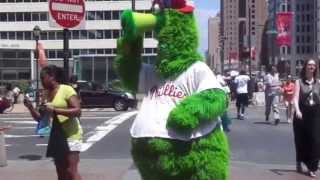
[
  {"x": 241, "y": 31},
  {"x": 92, "y": 49},
  {"x": 214, "y": 50}
]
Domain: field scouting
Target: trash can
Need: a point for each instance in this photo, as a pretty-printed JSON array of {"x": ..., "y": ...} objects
[{"x": 3, "y": 152}]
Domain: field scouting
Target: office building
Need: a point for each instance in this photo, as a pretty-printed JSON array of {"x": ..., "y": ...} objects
[
  {"x": 92, "y": 49},
  {"x": 214, "y": 60}
]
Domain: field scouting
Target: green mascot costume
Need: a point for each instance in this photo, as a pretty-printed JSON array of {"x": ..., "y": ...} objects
[{"x": 177, "y": 134}]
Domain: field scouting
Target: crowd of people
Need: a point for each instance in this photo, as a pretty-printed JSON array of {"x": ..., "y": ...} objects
[{"x": 301, "y": 97}]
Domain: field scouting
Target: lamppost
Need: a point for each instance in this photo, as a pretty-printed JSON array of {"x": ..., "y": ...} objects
[{"x": 36, "y": 36}]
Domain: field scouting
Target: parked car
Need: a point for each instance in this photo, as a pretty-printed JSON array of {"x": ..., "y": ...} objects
[{"x": 94, "y": 95}]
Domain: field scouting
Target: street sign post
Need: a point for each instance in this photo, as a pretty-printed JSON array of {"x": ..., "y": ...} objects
[{"x": 66, "y": 14}]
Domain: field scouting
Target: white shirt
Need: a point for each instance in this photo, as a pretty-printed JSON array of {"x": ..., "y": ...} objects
[
  {"x": 273, "y": 84},
  {"x": 162, "y": 96},
  {"x": 242, "y": 84}
]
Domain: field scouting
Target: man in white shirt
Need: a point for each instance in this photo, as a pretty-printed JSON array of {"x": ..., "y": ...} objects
[
  {"x": 273, "y": 90},
  {"x": 242, "y": 101}
]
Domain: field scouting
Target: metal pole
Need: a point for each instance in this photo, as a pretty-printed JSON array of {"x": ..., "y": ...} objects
[
  {"x": 249, "y": 41},
  {"x": 133, "y": 5},
  {"x": 37, "y": 72},
  {"x": 66, "y": 53}
]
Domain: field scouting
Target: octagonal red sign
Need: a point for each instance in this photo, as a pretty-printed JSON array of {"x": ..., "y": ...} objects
[{"x": 67, "y": 13}]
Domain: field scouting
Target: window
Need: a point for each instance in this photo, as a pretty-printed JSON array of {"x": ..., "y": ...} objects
[
  {"x": 19, "y": 16},
  {"x": 99, "y": 34},
  {"x": 52, "y": 35},
  {"x": 27, "y": 35},
  {"x": 4, "y": 35},
  {"x": 115, "y": 15},
  {"x": 107, "y": 34},
  {"x": 35, "y": 16},
  {"x": 107, "y": 15},
  {"x": 75, "y": 34},
  {"x": 19, "y": 35},
  {"x": 43, "y": 16},
  {"x": 27, "y": 16},
  {"x": 92, "y": 34},
  {"x": 11, "y": 17},
  {"x": 12, "y": 35},
  {"x": 83, "y": 34},
  {"x": 3, "y": 17},
  {"x": 116, "y": 34}
]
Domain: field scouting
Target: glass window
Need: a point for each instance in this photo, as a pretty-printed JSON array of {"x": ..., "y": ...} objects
[
  {"x": 24, "y": 75},
  {"x": 115, "y": 15},
  {"x": 83, "y": 34},
  {"x": 75, "y": 34},
  {"x": 52, "y": 35},
  {"x": 107, "y": 34},
  {"x": 52, "y": 54},
  {"x": 19, "y": 35},
  {"x": 3, "y": 17},
  {"x": 11, "y": 17},
  {"x": 100, "y": 51},
  {"x": 116, "y": 34},
  {"x": 4, "y": 35},
  {"x": 60, "y": 54},
  {"x": 108, "y": 51},
  {"x": 99, "y": 34},
  {"x": 23, "y": 54},
  {"x": 3, "y": 1},
  {"x": 43, "y": 16},
  {"x": 18, "y": 1},
  {"x": 59, "y": 35},
  {"x": 107, "y": 15},
  {"x": 35, "y": 16},
  {"x": 27, "y": 16},
  {"x": 12, "y": 35},
  {"x": 99, "y": 15},
  {"x": 90, "y": 15},
  {"x": 92, "y": 51},
  {"x": 83, "y": 51},
  {"x": 92, "y": 34},
  {"x": 44, "y": 35},
  {"x": 75, "y": 52},
  {"x": 27, "y": 35},
  {"x": 19, "y": 16}
]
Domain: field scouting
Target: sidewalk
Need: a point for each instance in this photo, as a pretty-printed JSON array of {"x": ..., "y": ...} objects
[{"x": 123, "y": 169}]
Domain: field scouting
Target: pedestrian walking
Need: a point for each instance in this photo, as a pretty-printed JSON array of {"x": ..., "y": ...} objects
[
  {"x": 272, "y": 93},
  {"x": 225, "y": 119},
  {"x": 288, "y": 92},
  {"x": 66, "y": 133},
  {"x": 306, "y": 124},
  {"x": 242, "y": 101}
]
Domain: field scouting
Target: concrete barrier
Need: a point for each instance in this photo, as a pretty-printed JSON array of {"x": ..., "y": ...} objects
[{"x": 3, "y": 152}]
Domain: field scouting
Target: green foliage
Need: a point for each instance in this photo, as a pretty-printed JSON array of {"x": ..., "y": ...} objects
[
  {"x": 193, "y": 110},
  {"x": 178, "y": 42},
  {"x": 206, "y": 158}
]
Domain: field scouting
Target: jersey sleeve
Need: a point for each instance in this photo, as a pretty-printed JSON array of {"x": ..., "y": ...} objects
[{"x": 205, "y": 78}]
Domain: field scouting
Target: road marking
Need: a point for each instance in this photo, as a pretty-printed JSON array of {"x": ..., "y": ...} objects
[
  {"x": 19, "y": 136},
  {"x": 101, "y": 131},
  {"x": 29, "y": 118},
  {"x": 21, "y": 122},
  {"x": 40, "y": 145}
]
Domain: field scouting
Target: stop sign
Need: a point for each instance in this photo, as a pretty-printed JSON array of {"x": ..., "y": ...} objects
[{"x": 67, "y": 13}]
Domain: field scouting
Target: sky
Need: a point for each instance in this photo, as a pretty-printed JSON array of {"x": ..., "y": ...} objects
[{"x": 205, "y": 9}]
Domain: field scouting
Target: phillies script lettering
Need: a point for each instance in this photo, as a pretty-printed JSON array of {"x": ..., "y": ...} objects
[{"x": 167, "y": 90}]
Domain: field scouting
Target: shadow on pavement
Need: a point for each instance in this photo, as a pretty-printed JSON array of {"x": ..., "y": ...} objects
[{"x": 31, "y": 157}]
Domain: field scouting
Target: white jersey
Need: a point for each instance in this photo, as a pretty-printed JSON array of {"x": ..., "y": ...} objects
[
  {"x": 242, "y": 84},
  {"x": 162, "y": 96}
]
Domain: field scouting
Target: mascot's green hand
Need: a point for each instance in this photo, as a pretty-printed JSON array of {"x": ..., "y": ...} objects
[{"x": 204, "y": 106}]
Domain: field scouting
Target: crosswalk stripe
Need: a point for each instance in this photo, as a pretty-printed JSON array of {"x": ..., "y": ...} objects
[
  {"x": 29, "y": 118},
  {"x": 105, "y": 129}
]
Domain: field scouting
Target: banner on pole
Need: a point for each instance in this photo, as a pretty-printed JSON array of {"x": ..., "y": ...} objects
[
  {"x": 42, "y": 55},
  {"x": 284, "y": 27}
]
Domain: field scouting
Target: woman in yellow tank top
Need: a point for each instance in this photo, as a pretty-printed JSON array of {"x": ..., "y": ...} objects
[{"x": 65, "y": 139}]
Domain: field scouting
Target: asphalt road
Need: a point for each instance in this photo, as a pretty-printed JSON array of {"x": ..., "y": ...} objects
[{"x": 251, "y": 140}]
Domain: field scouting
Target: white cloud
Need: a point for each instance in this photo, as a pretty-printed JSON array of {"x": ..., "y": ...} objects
[{"x": 202, "y": 16}]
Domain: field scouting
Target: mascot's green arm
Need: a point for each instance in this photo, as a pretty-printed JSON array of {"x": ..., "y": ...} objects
[
  {"x": 204, "y": 106},
  {"x": 129, "y": 49}
]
